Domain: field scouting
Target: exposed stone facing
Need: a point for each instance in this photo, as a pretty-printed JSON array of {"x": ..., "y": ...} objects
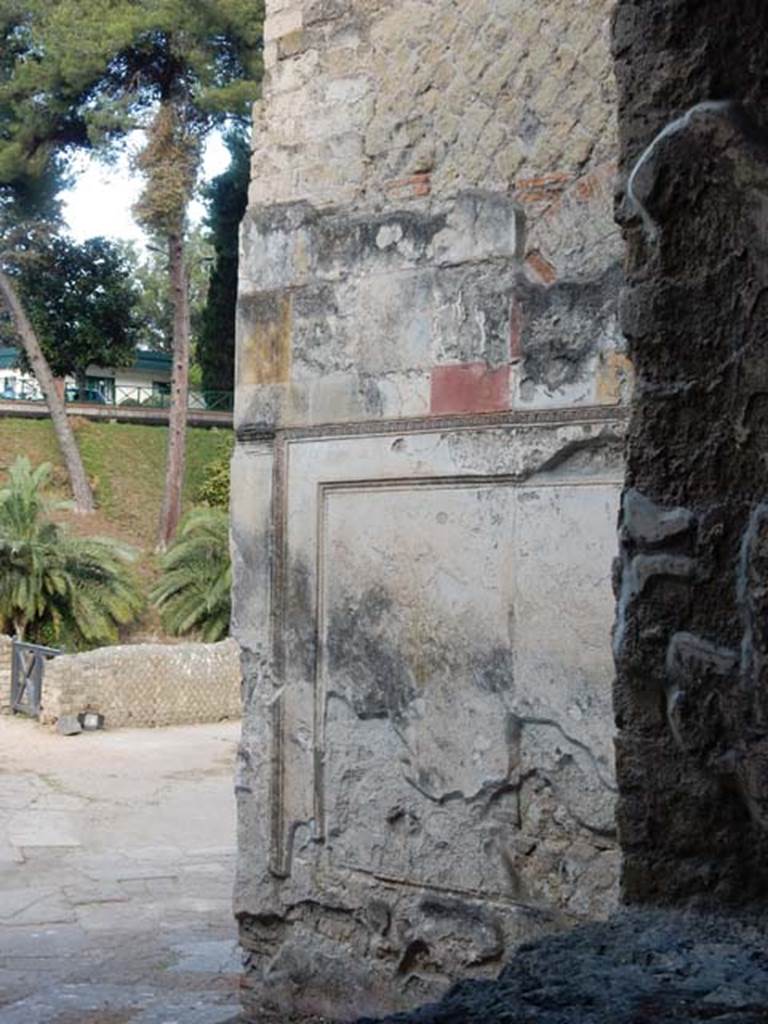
[
  {"x": 368, "y": 102},
  {"x": 690, "y": 634},
  {"x": 424, "y": 495},
  {"x": 146, "y": 684},
  {"x": 424, "y": 175},
  {"x": 6, "y": 647}
]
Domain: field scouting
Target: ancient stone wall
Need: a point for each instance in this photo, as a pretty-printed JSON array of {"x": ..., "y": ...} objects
[
  {"x": 431, "y": 224},
  {"x": 429, "y": 388},
  {"x": 146, "y": 684},
  {"x": 690, "y": 633},
  {"x": 6, "y": 647}
]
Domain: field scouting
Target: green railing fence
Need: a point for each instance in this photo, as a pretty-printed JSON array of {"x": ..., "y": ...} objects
[{"x": 127, "y": 396}]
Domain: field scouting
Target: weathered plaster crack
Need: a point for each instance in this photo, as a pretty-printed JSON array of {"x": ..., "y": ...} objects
[{"x": 551, "y": 723}]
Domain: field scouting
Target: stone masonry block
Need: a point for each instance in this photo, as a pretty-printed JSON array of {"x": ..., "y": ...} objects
[{"x": 282, "y": 23}]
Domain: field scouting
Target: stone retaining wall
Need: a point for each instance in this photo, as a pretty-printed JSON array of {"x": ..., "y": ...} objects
[
  {"x": 145, "y": 684},
  {"x": 5, "y": 674}
]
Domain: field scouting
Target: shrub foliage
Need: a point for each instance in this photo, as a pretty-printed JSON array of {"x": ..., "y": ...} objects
[
  {"x": 193, "y": 593},
  {"x": 56, "y": 587}
]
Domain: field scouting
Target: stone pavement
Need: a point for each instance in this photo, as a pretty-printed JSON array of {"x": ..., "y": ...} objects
[{"x": 116, "y": 864}]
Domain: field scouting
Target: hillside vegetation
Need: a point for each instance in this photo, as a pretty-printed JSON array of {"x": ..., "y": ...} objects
[
  {"x": 125, "y": 462},
  {"x": 126, "y": 465}
]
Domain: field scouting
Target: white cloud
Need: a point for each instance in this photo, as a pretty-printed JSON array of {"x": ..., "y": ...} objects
[{"x": 100, "y": 200}]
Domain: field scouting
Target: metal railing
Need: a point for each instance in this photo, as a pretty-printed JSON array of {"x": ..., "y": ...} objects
[
  {"x": 126, "y": 397},
  {"x": 153, "y": 398},
  {"x": 28, "y": 663}
]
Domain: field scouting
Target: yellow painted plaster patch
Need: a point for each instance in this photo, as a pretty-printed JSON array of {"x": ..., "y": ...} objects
[
  {"x": 264, "y": 348},
  {"x": 615, "y": 379}
]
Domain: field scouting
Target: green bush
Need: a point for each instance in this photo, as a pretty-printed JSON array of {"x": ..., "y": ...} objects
[
  {"x": 193, "y": 593},
  {"x": 214, "y": 490},
  {"x": 55, "y": 587}
]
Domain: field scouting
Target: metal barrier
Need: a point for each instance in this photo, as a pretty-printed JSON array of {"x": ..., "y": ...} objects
[
  {"x": 152, "y": 398},
  {"x": 132, "y": 397},
  {"x": 28, "y": 663}
]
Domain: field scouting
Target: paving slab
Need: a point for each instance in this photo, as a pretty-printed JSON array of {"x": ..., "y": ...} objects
[{"x": 114, "y": 906}]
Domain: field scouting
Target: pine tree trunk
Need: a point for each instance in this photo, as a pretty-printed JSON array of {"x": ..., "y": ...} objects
[
  {"x": 81, "y": 488},
  {"x": 177, "y": 420}
]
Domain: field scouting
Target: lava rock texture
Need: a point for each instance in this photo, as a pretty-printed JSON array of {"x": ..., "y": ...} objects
[
  {"x": 691, "y": 633},
  {"x": 641, "y": 966}
]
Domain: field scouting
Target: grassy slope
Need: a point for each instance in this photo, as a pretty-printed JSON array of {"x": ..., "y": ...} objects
[{"x": 125, "y": 463}]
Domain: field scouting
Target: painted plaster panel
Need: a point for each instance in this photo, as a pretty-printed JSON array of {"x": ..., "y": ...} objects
[
  {"x": 431, "y": 725},
  {"x": 451, "y": 612}
]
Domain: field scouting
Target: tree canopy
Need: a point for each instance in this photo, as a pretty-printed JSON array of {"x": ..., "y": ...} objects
[
  {"x": 86, "y": 73},
  {"x": 82, "y": 302},
  {"x": 91, "y": 70}
]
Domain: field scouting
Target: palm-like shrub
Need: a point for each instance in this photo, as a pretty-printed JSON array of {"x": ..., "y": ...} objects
[
  {"x": 193, "y": 593},
  {"x": 54, "y": 586}
]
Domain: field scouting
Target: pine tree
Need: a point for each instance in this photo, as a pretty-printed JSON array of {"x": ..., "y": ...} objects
[
  {"x": 178, "y": 68},
  {"x": 30, "y": 177}
]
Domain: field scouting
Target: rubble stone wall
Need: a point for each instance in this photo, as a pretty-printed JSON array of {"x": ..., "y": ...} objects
[
  {"x": 6, "y": 647},
  {"x": 146, "y": 684},
  {"x": 431, "y": 226},
  {"x": 430, "y": 381}
]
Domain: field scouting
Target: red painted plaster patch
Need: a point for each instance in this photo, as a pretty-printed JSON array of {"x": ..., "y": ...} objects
[{"x": 471, "y": 387}]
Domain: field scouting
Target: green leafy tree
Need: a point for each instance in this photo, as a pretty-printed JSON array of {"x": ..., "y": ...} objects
[
  {"x": 82, "y": 301},
  {"x": 30, "y": 178},
  {"x": 177, "y": 68},
  {"x": 54, "y": 586},
  {"x": 193, "y": 593},
  {"x": 154, "y": 312},
  {"x": 227, "y": 199}
]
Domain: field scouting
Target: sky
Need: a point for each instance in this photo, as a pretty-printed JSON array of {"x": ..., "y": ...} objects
[{"x": 100, "y": 201}]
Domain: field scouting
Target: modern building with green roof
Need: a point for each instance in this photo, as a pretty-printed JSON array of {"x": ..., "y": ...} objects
[{"x": 149, "y": 375}]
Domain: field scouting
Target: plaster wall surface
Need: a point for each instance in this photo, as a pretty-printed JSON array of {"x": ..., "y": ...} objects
[{"x": 429, "y": 388}]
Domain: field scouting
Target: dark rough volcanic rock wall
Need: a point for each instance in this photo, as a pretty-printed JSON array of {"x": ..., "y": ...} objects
[
  {"x": 641, "y": 967},
  {"x": 691, "y": 634}
]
